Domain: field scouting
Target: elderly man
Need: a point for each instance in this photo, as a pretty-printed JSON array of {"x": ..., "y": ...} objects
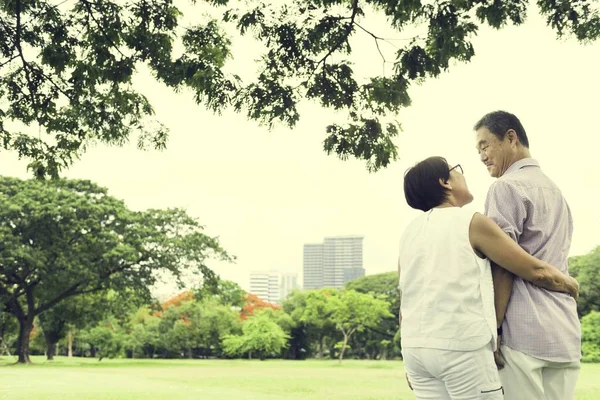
[{"x": 538, "y": 330}]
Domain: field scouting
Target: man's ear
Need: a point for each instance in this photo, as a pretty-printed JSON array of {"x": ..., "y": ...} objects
[
  {"x": 445, "y": 184},
  {"x": 512, "y": 136}
]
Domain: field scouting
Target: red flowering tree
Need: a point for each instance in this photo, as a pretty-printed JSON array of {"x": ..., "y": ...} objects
[
  {"x": 254, "y": 303},
  {"x": 175, "y": 301}
]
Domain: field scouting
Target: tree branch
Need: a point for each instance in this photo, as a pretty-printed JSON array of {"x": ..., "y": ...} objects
[
  {"x": 49, "y": 79},
  {"x": 345, "y": 37},
  {"x": 387, "y": 335},
  {"x": 52, "y": 303},
  {"x": 11, "y": 305},
  {"x": 4, "y": 277},
  {"x": 352, "y": 19},
  {"x": 72, "y": 290},
  {"x": 9, "y": 61},
  {"x": 88, "y": 6},
  {"x": 5, "y": 292},
  {"x": 20, "y": 51},
  {"x": 34, "y": 17},
  {"x": 377, "y": 39}
]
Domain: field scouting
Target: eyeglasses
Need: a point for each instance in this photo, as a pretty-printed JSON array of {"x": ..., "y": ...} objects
[{"x": 457, "y": 167}]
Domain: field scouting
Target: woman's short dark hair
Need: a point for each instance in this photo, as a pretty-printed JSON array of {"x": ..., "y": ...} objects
[
  {"x": 500, "y": 122},
  {"x": 422, "y": 187}
]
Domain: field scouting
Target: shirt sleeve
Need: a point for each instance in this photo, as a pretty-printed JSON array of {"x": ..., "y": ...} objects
[{"x": 505, "y": 206}]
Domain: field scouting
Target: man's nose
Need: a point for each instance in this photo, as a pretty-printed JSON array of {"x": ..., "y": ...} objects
[{"x": 483, "y": 157}]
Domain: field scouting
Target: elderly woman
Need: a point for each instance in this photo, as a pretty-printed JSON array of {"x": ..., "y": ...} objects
[{"x": 448, "y": 320}]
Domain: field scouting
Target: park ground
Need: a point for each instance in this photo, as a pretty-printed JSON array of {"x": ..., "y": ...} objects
[{"x": 83, "y": 379}]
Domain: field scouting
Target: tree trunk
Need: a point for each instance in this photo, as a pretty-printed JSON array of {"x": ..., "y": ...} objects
[
  {"x": 92, "y": 351},
  {"x": 51, "y": 351},
  {"x": 249, "y": 355},
  {"x": 321, "y": 347},
  {"x": 343, "y": 348},
  {"x": 70, "y": 343},
  {"x": 190, "y": 355},
  {"x": 51, "y": 339},
  {"x": 25, "y": 328},
  {"x": 4, "y": 347}
]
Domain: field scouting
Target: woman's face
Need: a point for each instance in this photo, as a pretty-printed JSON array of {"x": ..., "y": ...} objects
[{"x": 459, "y": 190}]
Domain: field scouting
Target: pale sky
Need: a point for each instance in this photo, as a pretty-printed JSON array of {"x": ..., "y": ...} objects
[{"x": 265, "y": 193}]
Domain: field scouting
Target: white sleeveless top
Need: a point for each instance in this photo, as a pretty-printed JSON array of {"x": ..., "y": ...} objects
[{"x": 447, "y": 290}]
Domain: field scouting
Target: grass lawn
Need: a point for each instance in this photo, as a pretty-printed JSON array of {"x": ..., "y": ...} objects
[{"x": 84, "y": 379}]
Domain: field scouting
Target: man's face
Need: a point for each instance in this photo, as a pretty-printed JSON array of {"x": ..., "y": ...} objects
[{"x": 493, "y": 152}]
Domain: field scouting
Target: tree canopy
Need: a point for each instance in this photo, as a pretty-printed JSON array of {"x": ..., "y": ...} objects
[
  {"x": 386, "y": 332},
  {"x": 586, "y": 269},
  {"x": 590, "y": 337},
  {"x": 260, "y": 335},
  {"x": 67, "y": 238},
  {"x": 66, "y": 68},
  {"x": 385, "y": 284},
  {"x": 354, "y": 311},
  {"x": 72, "y": 313},
  {"x": 226, "y": 292}
]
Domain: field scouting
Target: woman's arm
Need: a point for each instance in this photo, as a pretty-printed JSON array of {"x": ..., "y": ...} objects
[
  {"x": 489, "y": 239},
  {"x": 399, "y": 311}
]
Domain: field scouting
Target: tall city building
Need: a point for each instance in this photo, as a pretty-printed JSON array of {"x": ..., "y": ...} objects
[
  {"x": 334, "y": 262},
  {"x": 265, "y": 285},
  {"x": 313, "y": 266},
  {"x": 288, "y": 282}
]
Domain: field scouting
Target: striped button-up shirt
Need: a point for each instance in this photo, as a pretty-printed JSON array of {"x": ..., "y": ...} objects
[{"x": 530, "y": 208}]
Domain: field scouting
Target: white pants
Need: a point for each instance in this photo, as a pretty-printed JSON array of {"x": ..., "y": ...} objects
[
  {"x": 453, "y": 375},
  {"x": 525, "y": 377}
]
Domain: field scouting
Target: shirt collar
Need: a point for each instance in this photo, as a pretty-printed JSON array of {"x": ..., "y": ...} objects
[{"x": 525, "y": 162}]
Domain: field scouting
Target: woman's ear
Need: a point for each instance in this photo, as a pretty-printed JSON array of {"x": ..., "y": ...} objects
[{"x": 445, "y": 184}]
